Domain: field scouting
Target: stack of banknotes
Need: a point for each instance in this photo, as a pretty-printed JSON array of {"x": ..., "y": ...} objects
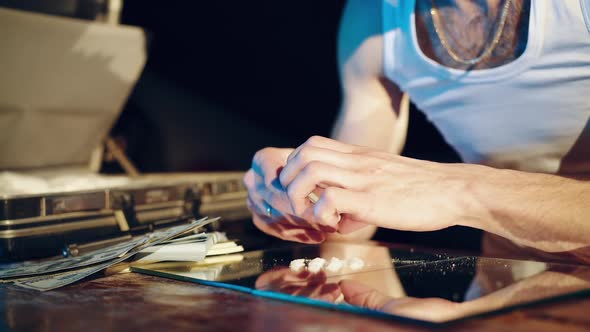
[{"x": 55, "y": 273}]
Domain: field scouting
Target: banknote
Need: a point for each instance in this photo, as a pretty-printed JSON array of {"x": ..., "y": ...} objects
[
  {"x": 57, "y": 280},
  {"x": 107, "y": 254},
  {"x": 90, "y": 258},
  {"x": 53, "y": 281},
  {"x": 200, "y": 237},
  {"x": 174, "y": 232}
]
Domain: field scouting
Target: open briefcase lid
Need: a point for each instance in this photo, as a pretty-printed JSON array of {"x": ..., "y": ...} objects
[{"x": 63, "y": 84}]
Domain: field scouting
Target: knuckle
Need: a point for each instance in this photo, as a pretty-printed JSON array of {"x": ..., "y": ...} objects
[
  {"x": 261, "y": 154},
  {"x": 248, "y": 179},
  {"x": 376, "y": 166},
  {"x": 283, "y": 178},
  {"x": 305, "y": 154},
  {"x": 313, "y": 169},
  {"x": 294, "y": 197},
  {"x": 292, "y": 191},
  {"x": 329, "y": 196},
  {"x": 314, "y": 140},
  {"x": 258, "y": 155}
]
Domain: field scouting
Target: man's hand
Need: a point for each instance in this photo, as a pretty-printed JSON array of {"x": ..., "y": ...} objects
[
  {"x": 267, "y": 200},
  {"x": 365, "y": 186}
]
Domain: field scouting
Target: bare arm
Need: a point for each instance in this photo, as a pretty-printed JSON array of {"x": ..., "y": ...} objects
[
  {"x": 370, "y": 113},
  {"x": 547, "y": 212},
  {"x": 543, "y": 211}
]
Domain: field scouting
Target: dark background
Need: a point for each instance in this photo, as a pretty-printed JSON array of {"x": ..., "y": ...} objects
[{"x": 226, "y": 78}]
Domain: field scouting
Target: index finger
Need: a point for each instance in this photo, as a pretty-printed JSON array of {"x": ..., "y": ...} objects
[
  {"x": 325, "y": 143},
  {"x": 308, "y": 155}
]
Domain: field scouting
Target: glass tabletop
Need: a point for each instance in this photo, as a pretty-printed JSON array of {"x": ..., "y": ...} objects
[{"x": 405, "y": 284}]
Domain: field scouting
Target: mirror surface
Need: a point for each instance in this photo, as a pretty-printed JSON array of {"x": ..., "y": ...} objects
[{"x": 381, "y": 281}]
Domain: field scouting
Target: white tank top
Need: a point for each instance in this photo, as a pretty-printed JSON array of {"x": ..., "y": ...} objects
[{"x": 531, "y": 114}]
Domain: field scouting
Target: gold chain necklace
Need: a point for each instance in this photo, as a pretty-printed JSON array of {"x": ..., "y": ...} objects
[{"x": 434, "y": 12}]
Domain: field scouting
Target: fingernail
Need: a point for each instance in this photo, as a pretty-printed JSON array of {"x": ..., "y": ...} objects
[
  {"x": 316, "y": 236},
  {"x": 327, "y": 229}
]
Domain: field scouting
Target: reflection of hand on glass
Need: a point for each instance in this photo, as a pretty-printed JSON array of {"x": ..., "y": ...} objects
[
  {"x": 430, "y": 309},
  {"x": 376, "y": 258},
  {"x": 304, "y": 283},
  {"x": 323, "y": 285},
  {"x": 543, "y": 285},
  {"x": 495, "y": 246}
]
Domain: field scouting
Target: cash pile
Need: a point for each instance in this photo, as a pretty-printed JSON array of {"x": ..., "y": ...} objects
[
  {"x": 193, "y": 248},
  {"x": 56, "y": 273}
]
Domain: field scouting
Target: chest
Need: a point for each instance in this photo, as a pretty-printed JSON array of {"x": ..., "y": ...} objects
[
  {"x": 472, "y": 35},
  {"x": 524, "y": 114}
]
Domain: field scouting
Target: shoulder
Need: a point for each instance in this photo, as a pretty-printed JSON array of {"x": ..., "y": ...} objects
[{"x": 361, "y": 37}]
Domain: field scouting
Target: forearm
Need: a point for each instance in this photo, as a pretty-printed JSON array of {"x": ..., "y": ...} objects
[{"x": 547, "y": 212}]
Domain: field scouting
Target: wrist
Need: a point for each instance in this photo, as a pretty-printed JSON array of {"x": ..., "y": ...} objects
[{"x": 479, "y": 194}]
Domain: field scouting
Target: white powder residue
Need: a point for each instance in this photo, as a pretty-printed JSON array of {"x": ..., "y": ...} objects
[
  {"x": 297, "y": 265},
  {"x": 335, "y": 264},
  {"x": 356, "y": 264},
  {"x": 316, "y": 265}
]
